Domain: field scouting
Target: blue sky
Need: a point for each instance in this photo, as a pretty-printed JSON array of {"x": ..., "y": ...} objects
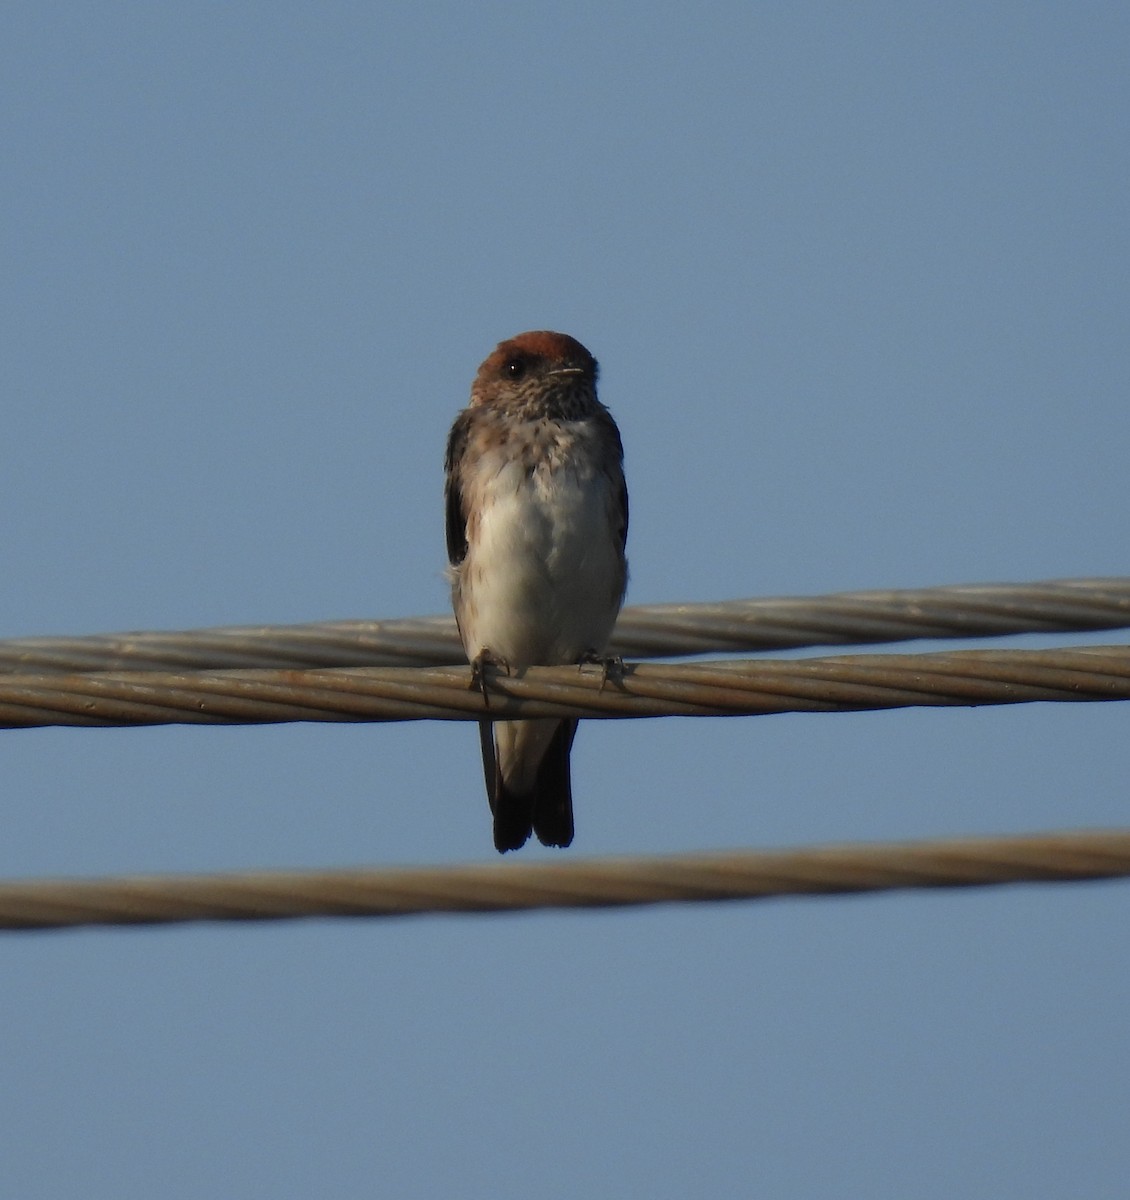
[{"x": 858, "y": 281}]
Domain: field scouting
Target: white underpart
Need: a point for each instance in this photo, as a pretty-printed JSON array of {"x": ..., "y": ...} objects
[
  {"x": 545, "y": 569},
  {"x": 520, "y": 746}
]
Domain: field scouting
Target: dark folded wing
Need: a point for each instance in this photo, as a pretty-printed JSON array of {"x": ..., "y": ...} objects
[{"x": 456, "y": 513}]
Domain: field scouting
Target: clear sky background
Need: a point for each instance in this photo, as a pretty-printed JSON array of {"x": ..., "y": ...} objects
[{"x": 858, "y": 280}]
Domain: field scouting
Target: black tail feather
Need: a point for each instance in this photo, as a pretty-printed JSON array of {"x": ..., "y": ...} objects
[
  {"x": 553, "y": 794},
  {"x": 547, "y": 810}
]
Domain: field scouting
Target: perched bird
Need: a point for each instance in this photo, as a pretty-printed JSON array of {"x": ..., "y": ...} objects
[{"x": 537, "y": 518}]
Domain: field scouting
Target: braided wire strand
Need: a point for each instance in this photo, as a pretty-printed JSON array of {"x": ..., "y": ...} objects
[
  {"x": 730, "y": 688},
  {"x": 595, "y": 883},
  {"x": 643, "y": 631}
]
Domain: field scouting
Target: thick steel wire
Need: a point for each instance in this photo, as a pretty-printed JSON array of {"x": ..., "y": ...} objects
[
  {"x": 732, "y": 688},
  {"x": 644, "y": 631},
  {"x": 595, "y": 883}
]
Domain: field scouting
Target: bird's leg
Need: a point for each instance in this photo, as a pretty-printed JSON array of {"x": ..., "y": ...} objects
[
  {"x": 486, "y": 658},
  {"x": 611, "y": 665}
]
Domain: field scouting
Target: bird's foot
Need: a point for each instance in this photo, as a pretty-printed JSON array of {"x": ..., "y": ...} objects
[
  {"x": 611, "y": 665},
  {"x": 479, "y": 664}
]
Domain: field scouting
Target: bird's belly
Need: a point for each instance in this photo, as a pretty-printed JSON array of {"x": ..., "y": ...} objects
[{"x": 543, "y": 580}]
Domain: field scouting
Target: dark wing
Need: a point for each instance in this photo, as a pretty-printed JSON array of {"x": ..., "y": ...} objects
[
  {"x": 456, "y": 518},
  {"x": 614, "y": 465},
  {"x": 624, "y": 511}
]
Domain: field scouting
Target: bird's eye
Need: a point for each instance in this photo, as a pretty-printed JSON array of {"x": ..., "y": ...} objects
[{"x": 514, "y": 368}]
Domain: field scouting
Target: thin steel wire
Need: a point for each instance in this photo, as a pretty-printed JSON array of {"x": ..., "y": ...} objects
[
  {"x": 732, "y": 688},
  {"x": 644, "y": 631},
  {"x": 595, "y": 883}
]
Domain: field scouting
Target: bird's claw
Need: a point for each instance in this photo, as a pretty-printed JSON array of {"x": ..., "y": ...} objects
[
  {"x": 479, "y": 664},
  {"x": 611, "y": 665}
]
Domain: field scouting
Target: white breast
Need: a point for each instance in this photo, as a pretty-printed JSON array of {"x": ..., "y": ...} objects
[{"x": 543, "y": 578}]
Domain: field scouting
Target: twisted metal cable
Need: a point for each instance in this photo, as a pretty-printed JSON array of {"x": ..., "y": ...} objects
[
  {"x": 643, "y": 631},
  {"x": 733, "y": 688},
  {"x": 599, "y": 883}
]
